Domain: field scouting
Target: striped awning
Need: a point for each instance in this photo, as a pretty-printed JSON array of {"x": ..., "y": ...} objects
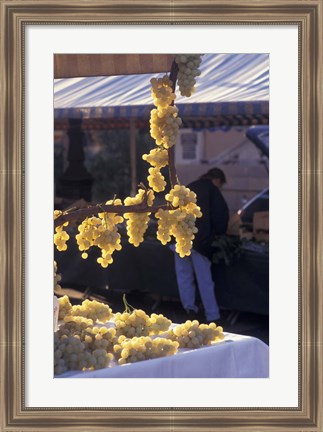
[
  {"x": 231, "y": 88},
  {"x": 194, "y": 116}
]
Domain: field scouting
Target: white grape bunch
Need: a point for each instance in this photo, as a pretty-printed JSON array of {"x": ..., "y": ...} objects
[
  {"x": 60, "y": 236},
  {"x": 143, "y": 348},
  {"x": 93, "y": 310},
  {"x": 78, "y": 345},
  {"x": 157, "y": 157},
  {"x": 109, "y": 239},
  {"x": 180, "y": 196},
  {"x": 156, "y": 180},
  {"x": 193, "y": 335},
  {"x": 65, "y": 307},
  {"x": 137, "y": 223},
  {"x": 188, "y": 70},
  {"x": 179, "y": 222},
  {"x": 67, "y": 351},
  {"x": 93, "y": 336},
  {"x": 74, "y": 325},
  {"x": 164, "y": 120},
  {"x": 164, "y": 125},
  {"x": 158, "y": 323},
  {"x": 99, "y": 338},
  {"x": 184, "y": 232},
  {"x": 70, "y": 353},
  {"x": 57, "y": 278},
  {"x": 87, "y": 233},
  {"x": 162, "y": 92},
  {"x": 166, "y": 219},
  {"x": 101, "y": 231},
  {"x": 131, "y": 324}
]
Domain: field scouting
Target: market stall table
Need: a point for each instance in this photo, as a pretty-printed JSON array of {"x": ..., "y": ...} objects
[{"x": 236, "y": 356}]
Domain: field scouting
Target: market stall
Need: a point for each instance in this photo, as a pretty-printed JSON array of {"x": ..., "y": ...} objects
[{"x": 134, "y": 344}]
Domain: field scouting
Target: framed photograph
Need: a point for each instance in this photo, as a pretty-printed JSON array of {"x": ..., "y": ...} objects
[{"x": 32, "y": 33}]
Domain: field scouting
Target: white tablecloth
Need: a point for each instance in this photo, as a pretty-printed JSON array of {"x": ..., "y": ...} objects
[{"x": 236, "y": 356}]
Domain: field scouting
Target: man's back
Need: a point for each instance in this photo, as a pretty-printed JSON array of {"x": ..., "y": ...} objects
[{"x": 215, "y": 214}]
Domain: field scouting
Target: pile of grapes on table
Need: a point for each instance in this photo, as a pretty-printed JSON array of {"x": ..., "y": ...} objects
[{"x": 90, "y": 336}]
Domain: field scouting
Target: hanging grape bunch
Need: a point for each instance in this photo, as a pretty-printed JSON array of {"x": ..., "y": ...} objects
[
  {"x": 101, "y": 231},
  {"x": 177, "y": 216},
  {"x": 137, "y": 223},
  {"x": 180, "y": 222},
  {"x": 60, "y": 236},
  {"x": 188, "y": 65}
]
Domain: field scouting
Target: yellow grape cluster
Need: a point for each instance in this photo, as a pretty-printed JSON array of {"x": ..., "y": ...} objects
[
  {"x": 157, "y": 157},
  {"x": 164, "y": 125},
  {"x": 138, "y": 323},
  {"x": 93, "y": 310},
  {"x": 70, "y": 353},
  {"x": 158, "y": 323},
  {"x": 181, "y": 196},
  {"x": 101, "y": 231},
  {"x": 162, "y": 92},
  {"x": 60, "y": 236},
  {"x": 180, "y": 222},
  {"x": 156, "y": 180},
  {"x": 166, "y": 220},
  {"x": 132, "y": 324},
  {"x": 143, "y": 348},
  {"x": 74, "y": 325},
  {"x": 78, "y": 345},
  {"x": 191, "y": 334},
  {"x": 137, "y": 223},
  {"x": 99, "y": 338},
  {"x": 57, "y": 278},
  {"x": 93, "y": 336},
  {"x": 164, "y": 120},
  {"x": 65, "y": 307},
  {"x": 188, "y": 70}
]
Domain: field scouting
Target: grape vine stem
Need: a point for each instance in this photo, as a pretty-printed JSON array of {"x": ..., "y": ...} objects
[
  {"x": 171, "y": 151},
  {"x": 81, "y": 214}
]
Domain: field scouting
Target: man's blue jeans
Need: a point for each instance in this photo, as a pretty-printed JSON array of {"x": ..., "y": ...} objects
[{"x": 200, "y": 266}]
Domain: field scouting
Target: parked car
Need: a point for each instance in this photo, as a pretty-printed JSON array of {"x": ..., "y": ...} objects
[
  {"x": 259, "y": 135},
  {"x": 259, "y": 203}
]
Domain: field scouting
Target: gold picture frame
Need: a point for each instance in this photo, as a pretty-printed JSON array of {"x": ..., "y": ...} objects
[{"x": 308, "y": 16}]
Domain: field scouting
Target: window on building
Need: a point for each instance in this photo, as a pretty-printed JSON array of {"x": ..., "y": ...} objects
[{"x": 189, "y": 146}]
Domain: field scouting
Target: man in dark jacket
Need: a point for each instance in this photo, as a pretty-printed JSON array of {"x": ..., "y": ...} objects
[{"x": 197, "y": 266}]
